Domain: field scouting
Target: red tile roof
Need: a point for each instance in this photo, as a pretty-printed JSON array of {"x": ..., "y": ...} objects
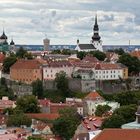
[
  {"x": 60, "y": 63},
  {"x": 90, "y": 59},
  {"x": 2, "y": 57},
  {"x": 107, "y": 66},
  {"x": 93, "y": 96},
  {"x": 136, "y": 53},
  {"x": 43, "y": 116},
  {"x": 118, "y": 134},
  {"x": 26, "y": 64},
  {"x": 44, "y": 102}
]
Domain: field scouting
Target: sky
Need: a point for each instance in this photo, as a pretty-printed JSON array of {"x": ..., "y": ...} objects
[{"x": 65, "y": 21}]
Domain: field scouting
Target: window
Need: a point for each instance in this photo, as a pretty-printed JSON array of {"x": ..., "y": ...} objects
[
  {"x": 51, "y": 75},
  {"x": 47, "y": 75},
  {"x": 46, "y": 70},
  {"x": 51, "y": 70}
]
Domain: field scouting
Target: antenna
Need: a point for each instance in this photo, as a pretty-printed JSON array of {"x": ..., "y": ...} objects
[{"x": 129, "y": 42}]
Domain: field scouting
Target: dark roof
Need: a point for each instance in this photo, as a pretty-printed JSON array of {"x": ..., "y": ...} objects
[
  {"x": 86, "y": 46},
  {"x": 3, "y": 36},
  {"x": 12, "y": 42}
]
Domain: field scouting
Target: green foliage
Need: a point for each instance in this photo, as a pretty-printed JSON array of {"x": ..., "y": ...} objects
[
  {"x": 55, "y": 96},
  {"x": 114, "y": 121},
  {"x": 102, "y": 109},
  {"x": 56, "y": 52},
  {"x": 4, "y": 90},
  {"x": 67, "y": 123},
  {"x": 127, "y": 112},
  {"x": 17, "y": 118},
  {"x": 119, "y": 51},
  {"x": 33, "y": 138},
  {"x": 28, "y": 104},
  {"x": 61, "y": 81},
  {"x": 8, "y": 62},
  {"x": 22, "y": 53},
  {"x": 98, "y": 54},
  {"x": 125, "y": 98},
  {"x": 66, "y": 52},
  {"x": 38, "y": 88},
  {"x": 81, "y": 55},
  {"x": 133, "y": 63},
  {"x": 122, "y": 115}
]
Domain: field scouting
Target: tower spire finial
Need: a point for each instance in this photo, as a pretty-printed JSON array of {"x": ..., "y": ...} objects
[{"x": 96, "y": 19}]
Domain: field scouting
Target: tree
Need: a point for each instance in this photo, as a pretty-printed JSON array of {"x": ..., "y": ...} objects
[
  {"x": 98, "y": 54},
  {"x": 122, "y": 115},
  {"x": 115, "y": 121},
  {"x": 21, "y": 52},
  {"x": 17, "y": 118},
  {"x": 127, "y": 112},
  {"x": 28, "y": 104},
  {"x": 119, "y": 51},
  {"x": 102, "y": 109},
  {"x": 67, "y": 123},
  {"x": 66, "y": 52},
  {"x": 33, "y": 138},
  {"x": 125, "y": 98},
  {"x": 8, "y": 62},
  {"x": 81, "y": 55},
  {"x": 133, "y": 63},
  {"x": 37, "y": 88},
  {"x": 56, "y": 52},
  {"x": 61, "y": 81}
]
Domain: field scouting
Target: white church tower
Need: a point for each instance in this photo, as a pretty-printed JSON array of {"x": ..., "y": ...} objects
[{"x": 96, "y": 39}]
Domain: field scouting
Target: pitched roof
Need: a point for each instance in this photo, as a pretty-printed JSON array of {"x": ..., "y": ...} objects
[
  {"x": 26, "y": 64},
  {"x": 47, "y": 116},
  {"x": 86, "y": 46},
  {"x": 108, "y": 66},
  {"x": 136, "y": 53},
  {"x": 2, "y": 57},
  {"x": 118, "y": 134},
  {"x": 89, "y": 58},
  {"x": 60, "y": 63},
  {"x": 93, "y": 96}
]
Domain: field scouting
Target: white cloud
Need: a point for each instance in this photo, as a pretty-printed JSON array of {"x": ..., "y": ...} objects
[{"x": 64, "y": 21}]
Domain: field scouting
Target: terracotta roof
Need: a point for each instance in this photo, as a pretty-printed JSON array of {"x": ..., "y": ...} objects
[
  {"x": 43, "y": 116},
  {"x": 90, "y": 59},
  {"x": 136, "y": 53},
  {"x": 26, "y": 64},
  {"x": 44, "y": 102},
  {"x": 2, "y": 57},
  {"x": 107, "y": 66},
  {"x": 61, "y": 63},
  {"x": 93, "y": 96},
  {"x": 118, "y": 134}
]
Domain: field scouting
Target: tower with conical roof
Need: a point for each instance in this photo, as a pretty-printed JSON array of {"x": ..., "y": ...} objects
[
  {"x": 96, "y": 39},
  {"x": 3, "y": 37},
  {"x": 12, "y": 46}
]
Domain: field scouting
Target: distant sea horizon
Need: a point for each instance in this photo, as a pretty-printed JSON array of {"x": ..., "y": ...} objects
[{"x": 72, "y": 47}]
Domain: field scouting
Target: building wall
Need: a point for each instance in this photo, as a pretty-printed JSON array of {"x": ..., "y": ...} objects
[
  {"x": 50, "y": 72},
  {"x": 25, "y": 75},
  {"x": 92, "y": 105},
  {"x": 112, "y": 74}
]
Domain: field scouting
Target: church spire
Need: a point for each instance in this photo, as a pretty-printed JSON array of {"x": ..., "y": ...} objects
[{"x": 96, "y": 36}]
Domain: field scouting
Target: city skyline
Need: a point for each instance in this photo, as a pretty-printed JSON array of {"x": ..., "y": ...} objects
[{"x": 65, "y": 21}]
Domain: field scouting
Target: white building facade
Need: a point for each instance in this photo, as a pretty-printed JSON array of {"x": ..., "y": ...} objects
[{"x": 50, "y": 70}]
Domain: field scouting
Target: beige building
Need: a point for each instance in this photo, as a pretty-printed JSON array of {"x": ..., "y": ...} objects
[{"x": 26, "y": 71}]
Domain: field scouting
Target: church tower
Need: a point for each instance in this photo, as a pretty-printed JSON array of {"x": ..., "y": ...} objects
[
  {"x": 96, "y": 39},
  {"x": 12, "y": 46}
]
